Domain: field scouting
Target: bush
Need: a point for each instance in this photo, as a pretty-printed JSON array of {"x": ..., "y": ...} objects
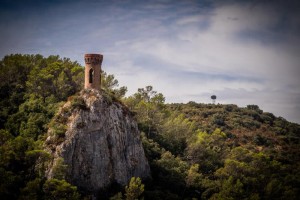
[
  {"x": 255, "y": 107},
  {"x": 78, "y": 102},
  {"x": 59, "y": 130},
  {"x": 135, "y": 189},
  {"x": 219, "y": 119},
  {"x": 250, "y": 124},
  {"x": 60, "y": 189},
  {"x": 259, "y": 140},
  {"x": 231, "y": 108}
]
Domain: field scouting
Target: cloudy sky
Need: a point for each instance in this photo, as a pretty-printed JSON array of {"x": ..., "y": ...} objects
[{"x": 245, "y": 52}]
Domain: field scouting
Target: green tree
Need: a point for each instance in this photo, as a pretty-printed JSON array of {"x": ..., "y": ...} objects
[
  {"x": 174, "y": 132},
  {"x": 4, "y": 136},
  {"x": 111, "y": 85},
  {"x": 194, "y": 178},
  {"x": 152, "y": 149},
  {"x": 135, "y": 189},
  {"x": 60, "y": 189},
  {"x": 117, "y": 196},
  {"x": 14, "y": 70},
  {"x": 172, "y": 171},
  {"x": 15, "y": 168},
  {"x": 55, "y": 76},
  {"x": 231, "y": 189},
  {"x": 32, "y": 190},
  {"x": 148, "y": 105},
  {"x": 9, "y": 184},
  {"x": 59, "y": 169},
  {"x": 209, "y": 150}
]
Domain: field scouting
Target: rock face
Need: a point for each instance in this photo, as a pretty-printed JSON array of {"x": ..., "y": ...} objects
[{"x": 101, "y": 145}]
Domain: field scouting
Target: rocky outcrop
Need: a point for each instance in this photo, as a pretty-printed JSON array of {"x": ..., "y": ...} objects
[{"x": 101, "y": 144}]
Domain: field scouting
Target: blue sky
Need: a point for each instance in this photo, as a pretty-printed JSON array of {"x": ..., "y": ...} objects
[{"x": 245, "y": 52}]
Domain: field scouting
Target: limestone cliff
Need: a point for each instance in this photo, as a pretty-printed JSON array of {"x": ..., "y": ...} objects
[{"x": 100, "y": 143}]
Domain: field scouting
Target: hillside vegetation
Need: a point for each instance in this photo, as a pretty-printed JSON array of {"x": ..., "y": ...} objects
[{"x": 200, "y": 151}]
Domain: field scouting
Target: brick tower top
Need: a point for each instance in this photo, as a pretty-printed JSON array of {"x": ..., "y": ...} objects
[
  {"x": 93, "y": 71},
  {"x": 93, "y": 59}
]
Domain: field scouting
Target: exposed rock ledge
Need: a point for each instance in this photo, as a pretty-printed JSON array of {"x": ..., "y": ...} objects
[{"x": 101, "y": 145}]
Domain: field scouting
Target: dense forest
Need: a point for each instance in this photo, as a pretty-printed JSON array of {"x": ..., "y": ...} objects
[{"x": 195, "y": 150}]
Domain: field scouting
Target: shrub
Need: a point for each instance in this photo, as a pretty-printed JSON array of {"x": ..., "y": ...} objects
[
  {"x": 78, "y": 102},
  {"x": 255, "y": 107},
  {"x": 250, "y": 123},
  {"x": 219, "y": 119},
  {"x": 59, "y": 130},
  {"x": 259, "y": 140},
  {"x": 135, "y": 189},
  {"x": 60, "y": 189}
]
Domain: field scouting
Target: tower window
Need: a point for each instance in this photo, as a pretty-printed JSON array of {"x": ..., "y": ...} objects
[{"x": 91, "y": 76}]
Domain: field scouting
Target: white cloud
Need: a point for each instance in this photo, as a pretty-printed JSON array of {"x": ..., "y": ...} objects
[
  {"x": 187, "y": 20},
  {"x": 220, "y": 49}
]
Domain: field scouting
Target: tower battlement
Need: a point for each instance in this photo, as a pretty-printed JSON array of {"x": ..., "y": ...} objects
[{"x": 93, "y": 59}]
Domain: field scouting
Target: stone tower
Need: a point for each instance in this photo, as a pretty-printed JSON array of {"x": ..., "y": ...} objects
[{"x": 93, "y": 71}]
